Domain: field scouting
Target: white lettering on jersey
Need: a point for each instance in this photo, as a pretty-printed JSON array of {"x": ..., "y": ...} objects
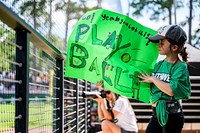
[{"x": 162, "y": 76}]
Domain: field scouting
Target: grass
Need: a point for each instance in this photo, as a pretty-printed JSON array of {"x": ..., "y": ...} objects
[
  {"x": 40, "y": 115},
  {"x": 7, "y": 113}
]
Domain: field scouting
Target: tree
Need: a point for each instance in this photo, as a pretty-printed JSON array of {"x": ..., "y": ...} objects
[
  {"x": 190, "y": 22},
  {"x": 50, "y": 20},
  {"x": 73, "y": 11},
  {"x": 7, "y": 51},
  {"x": 158, "y": 9},
  {"x": 193, "y": 39},
  {"x": 194, "y": 7},
  {"x": 162, "y": 9},
  {"x": 35, "y": 9}
]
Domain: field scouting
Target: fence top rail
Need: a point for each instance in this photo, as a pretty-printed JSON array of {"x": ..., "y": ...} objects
[
  {"x": 15, "y": 22},
  {"x": 195, "y": 77}
]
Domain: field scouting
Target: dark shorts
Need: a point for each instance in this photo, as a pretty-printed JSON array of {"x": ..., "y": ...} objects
[
  {"x": 174, "y": 125},
  {"x": 124, "y": 131}
]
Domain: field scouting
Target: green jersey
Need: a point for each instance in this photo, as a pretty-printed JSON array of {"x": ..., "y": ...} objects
[{"x": 177, "y": 76}]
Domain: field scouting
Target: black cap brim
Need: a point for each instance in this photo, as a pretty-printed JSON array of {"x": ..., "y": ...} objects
[{"x": 156, "y": 38}]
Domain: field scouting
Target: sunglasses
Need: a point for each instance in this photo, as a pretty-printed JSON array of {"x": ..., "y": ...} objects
[{"x": 107, "y": 92}]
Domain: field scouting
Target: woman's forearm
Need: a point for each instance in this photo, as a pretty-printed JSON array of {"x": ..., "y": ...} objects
[
  {"x": 100, "y": 112},
  {"x": 164, "y": 87},
  {"x": 106, "y": 113}
]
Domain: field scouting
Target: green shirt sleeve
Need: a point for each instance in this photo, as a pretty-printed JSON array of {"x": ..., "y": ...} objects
[{"x": 180, "y": 82}]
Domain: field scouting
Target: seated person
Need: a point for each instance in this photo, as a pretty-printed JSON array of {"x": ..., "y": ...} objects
[{"x": 115, "y": 112}]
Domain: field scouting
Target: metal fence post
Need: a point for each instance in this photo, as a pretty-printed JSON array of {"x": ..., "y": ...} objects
[
  {"x": 77, "y": 105},
  {"x": 86, "y": 101},
  {"x": 22, "y": 74},
  {"x": 60, "y": 96}
]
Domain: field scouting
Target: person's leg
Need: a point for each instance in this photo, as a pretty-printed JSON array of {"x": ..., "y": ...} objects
[
  {"x": 109, "y": 127},
  {"x": 175, "y": 123},
  {"x": 153, "y": 126}
]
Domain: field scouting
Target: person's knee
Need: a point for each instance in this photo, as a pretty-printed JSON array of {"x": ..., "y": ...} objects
[{"x": 105, "y": 124}]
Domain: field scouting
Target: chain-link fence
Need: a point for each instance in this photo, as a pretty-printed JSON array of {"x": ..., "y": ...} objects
[
  {"x": 34, "y": 96},
  {"x": 7, "y": 78},
  {"x": 31, "y": 80},
  {"x": 76, "y": 108}
]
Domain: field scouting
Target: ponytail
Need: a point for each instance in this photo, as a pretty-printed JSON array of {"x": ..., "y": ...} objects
[{"x": 184, "y": 54}]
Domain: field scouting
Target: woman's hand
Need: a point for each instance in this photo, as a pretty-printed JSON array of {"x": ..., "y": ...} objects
[
  {"x": 146, "y": 78},
  {"x": 99, "y": 99},
  {"x": 99, "y": 84},
  {"x": 163, "y": 86}
]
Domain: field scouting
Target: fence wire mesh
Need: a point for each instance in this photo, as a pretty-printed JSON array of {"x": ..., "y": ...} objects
[
  {"x": 31, "y": 83},
  {"x": 76, "y": 108},
  {"x": 7, "y": 78},
  {"x": 42, "y": 87}
]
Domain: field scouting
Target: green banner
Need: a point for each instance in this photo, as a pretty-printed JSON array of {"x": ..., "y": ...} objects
[{"x": 108, "y": 46}]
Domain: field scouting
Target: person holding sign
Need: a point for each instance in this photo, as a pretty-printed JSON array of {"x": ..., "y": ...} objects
[
  {"x": 115, "y": 112},
  {"x": 170, "y": 81}
]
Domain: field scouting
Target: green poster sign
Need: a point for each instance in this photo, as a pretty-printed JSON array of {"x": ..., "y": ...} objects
[{"x": 108, "y": 46}]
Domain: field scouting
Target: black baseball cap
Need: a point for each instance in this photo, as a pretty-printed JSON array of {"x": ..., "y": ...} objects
[{"x": 172, "y": 32}]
